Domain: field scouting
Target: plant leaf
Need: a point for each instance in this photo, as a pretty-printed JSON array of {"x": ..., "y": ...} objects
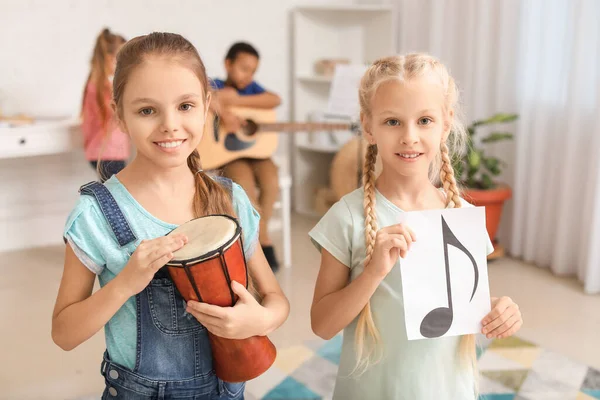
[
  {"x": 474, "y": 162},
  {"x": 496, "y": 118},
  {"x": 486, "y": 181},
  {"x": 497, "y": 136},
  {"x": 474, "y": 159},
  {"x": 458, "y": 169},
  {"x": 492, "y": 164}
]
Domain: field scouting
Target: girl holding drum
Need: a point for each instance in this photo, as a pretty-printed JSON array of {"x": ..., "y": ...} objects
[{"x": 119, "y": 231}]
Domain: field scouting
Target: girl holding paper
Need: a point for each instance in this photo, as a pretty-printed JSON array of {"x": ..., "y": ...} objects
[{"x": 409, "y": 114}]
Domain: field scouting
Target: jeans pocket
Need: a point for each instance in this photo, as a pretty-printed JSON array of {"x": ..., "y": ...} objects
[{"x": 167, "y": 309}]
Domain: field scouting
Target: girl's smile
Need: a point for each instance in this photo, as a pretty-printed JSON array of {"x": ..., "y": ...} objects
[
  {"x": 409, "y": 156},
  {"x": 170, "y": 146}
]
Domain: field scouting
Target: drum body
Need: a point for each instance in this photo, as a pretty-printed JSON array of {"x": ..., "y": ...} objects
[{"x": 203, "y": 271}]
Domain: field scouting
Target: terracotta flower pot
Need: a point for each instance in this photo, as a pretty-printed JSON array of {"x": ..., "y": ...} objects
[{"x": 493, "y": 201}]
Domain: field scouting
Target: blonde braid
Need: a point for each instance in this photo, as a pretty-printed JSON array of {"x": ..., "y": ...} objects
[
  {"x": 365, "y": 327},
  {"x": 369, "y": 200},
  {"x": 448, "y": 180}
]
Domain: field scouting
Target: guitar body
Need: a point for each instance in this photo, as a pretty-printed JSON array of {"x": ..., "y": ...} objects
[{"x": 219, "y": 147}]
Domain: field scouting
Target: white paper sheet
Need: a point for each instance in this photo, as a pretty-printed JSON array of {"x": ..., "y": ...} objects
[
  {"x": 343, "y": 95},
  {"x": 424, "y": 273}
]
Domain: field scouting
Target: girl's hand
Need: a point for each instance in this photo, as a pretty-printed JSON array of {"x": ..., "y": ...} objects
[
  {"x": 504, "y": 320},
  {"x": 390, "y": 243},
  {"x": 148, "y": 258},
  {"x": 245, "y": 319}
]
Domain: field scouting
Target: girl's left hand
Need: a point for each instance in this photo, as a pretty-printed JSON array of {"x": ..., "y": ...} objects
[
  {"x": 245, "y": 319},
  {"x": 504, "y": 320}
]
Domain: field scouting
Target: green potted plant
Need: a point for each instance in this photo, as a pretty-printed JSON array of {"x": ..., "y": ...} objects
[{"x": 475, "y": 172}]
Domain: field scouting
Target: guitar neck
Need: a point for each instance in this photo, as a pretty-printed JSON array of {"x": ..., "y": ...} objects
[{"x": 303, "y": 127}]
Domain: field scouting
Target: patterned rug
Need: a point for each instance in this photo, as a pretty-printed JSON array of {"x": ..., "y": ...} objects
[{"x": 511, "y": 369}]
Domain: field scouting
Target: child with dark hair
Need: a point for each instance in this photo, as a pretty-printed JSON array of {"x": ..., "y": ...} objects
[{"x": 239, "y": 89}]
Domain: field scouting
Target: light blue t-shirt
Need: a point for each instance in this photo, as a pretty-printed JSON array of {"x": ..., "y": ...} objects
[
  {"x": 420, "y": 369},
  {"x": 90, "y": 236}
]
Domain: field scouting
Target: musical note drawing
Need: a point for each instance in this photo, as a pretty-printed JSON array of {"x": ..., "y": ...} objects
[{"x": 438, "y": 321}]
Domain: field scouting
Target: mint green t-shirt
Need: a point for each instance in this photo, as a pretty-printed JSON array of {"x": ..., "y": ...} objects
[
  {"x": 92, "y": 240},
  {"x": 420, "y": 369}
]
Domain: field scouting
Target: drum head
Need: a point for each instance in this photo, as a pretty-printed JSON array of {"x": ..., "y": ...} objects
[{"x": 205, "y": 236}]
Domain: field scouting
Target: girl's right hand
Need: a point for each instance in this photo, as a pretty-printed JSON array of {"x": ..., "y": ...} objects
[
  {"x": 390, "y": 243},
  {"x": 148, "y": 258}
]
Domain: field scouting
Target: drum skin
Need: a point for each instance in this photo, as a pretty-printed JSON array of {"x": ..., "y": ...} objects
[{"x": 234, "y": 360}]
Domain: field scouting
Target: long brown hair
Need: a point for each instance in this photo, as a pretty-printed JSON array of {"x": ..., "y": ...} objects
[
  {"x": 210, "y": 196},
  {"x": 107, "y": 43},
  {"x": 404, "y": 68}
]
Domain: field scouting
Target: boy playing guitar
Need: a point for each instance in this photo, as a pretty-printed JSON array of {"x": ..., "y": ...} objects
[{"x": 240, "y": 90}]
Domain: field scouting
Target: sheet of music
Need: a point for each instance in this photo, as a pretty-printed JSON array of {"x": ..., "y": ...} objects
[{"x": 343, "y": 95}]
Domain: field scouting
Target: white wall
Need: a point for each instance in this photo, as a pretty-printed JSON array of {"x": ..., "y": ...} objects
[{"x": 45, "y": 47}]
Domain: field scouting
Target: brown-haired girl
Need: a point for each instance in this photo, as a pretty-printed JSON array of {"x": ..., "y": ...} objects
[
  {"x": 106, "y": 147},
  {"x": 155, "y": 346},
  {"x": 409, "y": 107}
]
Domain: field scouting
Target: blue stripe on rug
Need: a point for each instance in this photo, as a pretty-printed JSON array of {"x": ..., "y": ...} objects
[
  {"x": 291, "y": 389},
  {"x": 332, "y": 349},
  {"x": 592, "y": 392},
  {"x": 497, "y": 396}
]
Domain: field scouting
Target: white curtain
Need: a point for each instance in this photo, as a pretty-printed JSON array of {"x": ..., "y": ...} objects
[{"x": 540, "y": 59}]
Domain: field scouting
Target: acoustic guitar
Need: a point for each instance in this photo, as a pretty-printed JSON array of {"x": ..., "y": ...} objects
[{"x": 256, "y": 139}]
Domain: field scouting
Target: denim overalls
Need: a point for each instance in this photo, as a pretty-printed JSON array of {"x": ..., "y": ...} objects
[{"x": 173, "y": 356}]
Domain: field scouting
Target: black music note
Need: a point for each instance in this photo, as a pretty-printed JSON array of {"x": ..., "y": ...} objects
[{"x": 439, "y": 320}]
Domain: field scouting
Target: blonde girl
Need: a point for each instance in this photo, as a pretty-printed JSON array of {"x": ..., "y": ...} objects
[{"x": 409, "y": 108}]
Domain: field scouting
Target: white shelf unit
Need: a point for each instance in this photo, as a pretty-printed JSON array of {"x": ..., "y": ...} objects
[{"x": 359, "y": 33}]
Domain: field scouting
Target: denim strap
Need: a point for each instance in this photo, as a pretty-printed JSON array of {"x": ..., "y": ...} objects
[{"x": 111, "y": 211}]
